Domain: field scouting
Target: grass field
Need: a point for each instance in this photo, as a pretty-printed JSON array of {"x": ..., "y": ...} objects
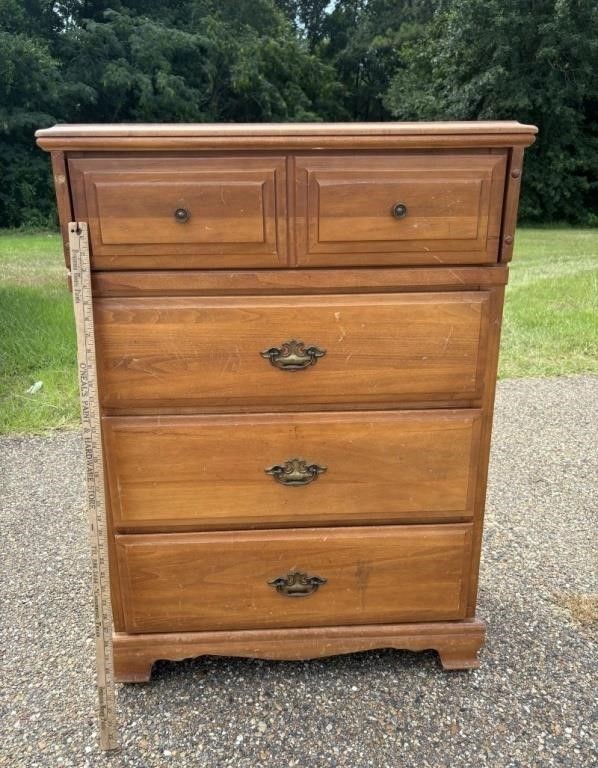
[
  {"x": 550, "y": 326},
  {"x": 37, "y": 335}
]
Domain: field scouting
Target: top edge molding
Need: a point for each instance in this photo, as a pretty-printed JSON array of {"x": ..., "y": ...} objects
[{"x": 284, "y": 135}]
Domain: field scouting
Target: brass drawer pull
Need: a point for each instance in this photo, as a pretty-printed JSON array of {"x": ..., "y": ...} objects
[
  {"x": 399, "y": 210},
  {"x": 292, "y": 355},
  {"x": 297, "y": 584},
  {"x": 295, "y": 472}
]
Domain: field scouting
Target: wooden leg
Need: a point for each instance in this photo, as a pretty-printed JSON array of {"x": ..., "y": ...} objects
[
  {"x": 464, "y": 658},
  {"x": 457, "y": 643},
  {"x": 132, "y": 668}
]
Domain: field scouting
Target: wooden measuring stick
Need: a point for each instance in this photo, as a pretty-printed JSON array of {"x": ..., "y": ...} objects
[{"x": 94, "y": 466}]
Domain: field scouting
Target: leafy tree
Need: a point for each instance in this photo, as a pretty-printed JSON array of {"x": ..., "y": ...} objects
[
  {"x": 29, "y": 88},
  {"x": 309, "y": 17},
  {"x": 279, "y": 60},
  {"x": 362, "y": 40},
  {"x": 533, "y": 60},
  {"x": 99, "y": 61}
]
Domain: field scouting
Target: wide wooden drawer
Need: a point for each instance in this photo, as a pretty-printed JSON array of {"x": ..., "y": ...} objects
[
  {"x": 221, "y": 352},
  {"x": 215, "y": 472},
  {"x": 399, "y": 208},
  {"x": 182, "y": 212},
  {"x": 328, "y": 576}
]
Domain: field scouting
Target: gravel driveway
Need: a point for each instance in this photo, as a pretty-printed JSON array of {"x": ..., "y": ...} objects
[{"x": 530, "y": 704}]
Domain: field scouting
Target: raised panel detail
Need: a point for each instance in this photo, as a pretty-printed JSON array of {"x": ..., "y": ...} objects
[
  {"x": 221, "y": 210},
  {"x": 209, "y": 472},
  {"x": 398, "y": 208},
  {"x": 191, "y": 212},
  {"x": 374, "y": 575},
  {"x": 209, "y": 351}
]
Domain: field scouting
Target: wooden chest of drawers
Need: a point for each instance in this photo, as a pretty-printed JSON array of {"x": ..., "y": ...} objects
[{"x": 297, "y": 331}]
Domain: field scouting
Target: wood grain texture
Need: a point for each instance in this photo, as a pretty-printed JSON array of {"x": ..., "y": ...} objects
[
  {"x": 63, "y": 200},
  {"x": 290, "y": 236},
  {"x": 457, "y": 643},
  {"x": 139, "y": 144},
  {"x": 344, "y": 203},
  {"x": 140, "y": 137},
  {"x": 207, "y": 351},
  {"x": 491, "y": 369},
  {"x": 236, "y": 208},
  {"x": 511, "y": 205},
  {"x": 465, "y": 128},
  {"x": 208, "y": 472},
  {"x": 306, "y": 281},
  {"x": 201, "y": 581}
]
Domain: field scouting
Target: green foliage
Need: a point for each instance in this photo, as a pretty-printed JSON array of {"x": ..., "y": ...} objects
[
  {"x": 297, "y": 60},
  {"x": 219, "y": 66},
  {"x": 29, "y": 87},
  {"x": 536, "y": 61}
]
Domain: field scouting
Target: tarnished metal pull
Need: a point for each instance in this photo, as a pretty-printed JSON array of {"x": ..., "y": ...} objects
[
  {"x": 399, "y": 210},
  {"x": 297, "y": 584},
  {"x": 295, "y": 472},
  {"x": 293, "y": 355},
  {"x": 181, "y": 215}
]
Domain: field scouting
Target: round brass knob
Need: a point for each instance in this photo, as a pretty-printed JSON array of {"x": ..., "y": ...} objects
[
  {"x": 399, "y": 210},
  {"x": 181, "y": 215}
]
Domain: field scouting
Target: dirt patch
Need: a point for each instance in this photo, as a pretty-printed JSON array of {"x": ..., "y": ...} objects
[{"x": 583, "y": 608}]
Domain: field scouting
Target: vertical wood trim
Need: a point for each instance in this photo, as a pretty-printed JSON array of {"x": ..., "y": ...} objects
[
  {"x": 113, "y": 569},
  {"x": 292, "y": 250},
  {"x": 63, "y": 200},
  {"x": 511, "y": 204},
  {"x": 476, "y": 434},
  {"x": 467, "y": 577},
  {"x": 483, "y": 339},
  {"x": 281, "y": 211},
  {"x": 496, "y": 306}
]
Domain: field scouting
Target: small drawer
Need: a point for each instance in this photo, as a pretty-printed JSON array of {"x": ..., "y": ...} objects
[
  {"x": 189, "y": 212},
  {"x": 299, "y": 578},
  {"x": 291, "y": 351},
  {"x": 398, "y": 208},
  {"x": 273, "y": 470}
]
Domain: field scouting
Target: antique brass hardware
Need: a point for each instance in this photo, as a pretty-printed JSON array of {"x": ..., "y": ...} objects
[
  {"x": 181, "y": 215},
  {"x": 293, "y": 355},
  {"x": 399, "y": 210},
  {"x": 295, "y": 472},
  {"x": 297, "y": 584}
]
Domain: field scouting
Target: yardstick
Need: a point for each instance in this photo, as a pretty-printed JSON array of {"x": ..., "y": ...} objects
[{"x": 94, "y": 473}]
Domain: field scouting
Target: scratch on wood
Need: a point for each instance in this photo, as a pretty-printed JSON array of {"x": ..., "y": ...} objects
[
  {"x": 343, "y": 332},
  {"x": 448, "y": 338},
  {"x": 456, "y": 276}
]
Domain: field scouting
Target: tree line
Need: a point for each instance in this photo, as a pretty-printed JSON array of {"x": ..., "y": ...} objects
[{"x": 295, "y": 60}]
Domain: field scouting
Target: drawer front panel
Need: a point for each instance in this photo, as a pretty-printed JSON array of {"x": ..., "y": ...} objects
[
  {"x": 203, "y": 581},
  {"x": 210, "y": 471},
  {"x": 174, "y": 212},
  {"x": 197, "y": 352},
  {"x": 399, "y": 209}
]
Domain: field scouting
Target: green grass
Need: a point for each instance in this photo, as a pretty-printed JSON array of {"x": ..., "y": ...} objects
[
  {"x": 550, "y": 325},
  {"x": 37, "y": 335},
  {"x": 551, "y": 310}
]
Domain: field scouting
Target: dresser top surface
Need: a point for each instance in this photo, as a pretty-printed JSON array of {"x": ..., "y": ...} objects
[
  {"x": 287, "y": 129},
  {"x": 143, "y": 135}
]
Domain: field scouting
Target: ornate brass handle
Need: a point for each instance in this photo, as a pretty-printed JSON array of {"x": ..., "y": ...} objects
[
  {"x": 293, "y": 355},
  {"x": 295, "y": 472},
  {"x": 297, "y": 584}
]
